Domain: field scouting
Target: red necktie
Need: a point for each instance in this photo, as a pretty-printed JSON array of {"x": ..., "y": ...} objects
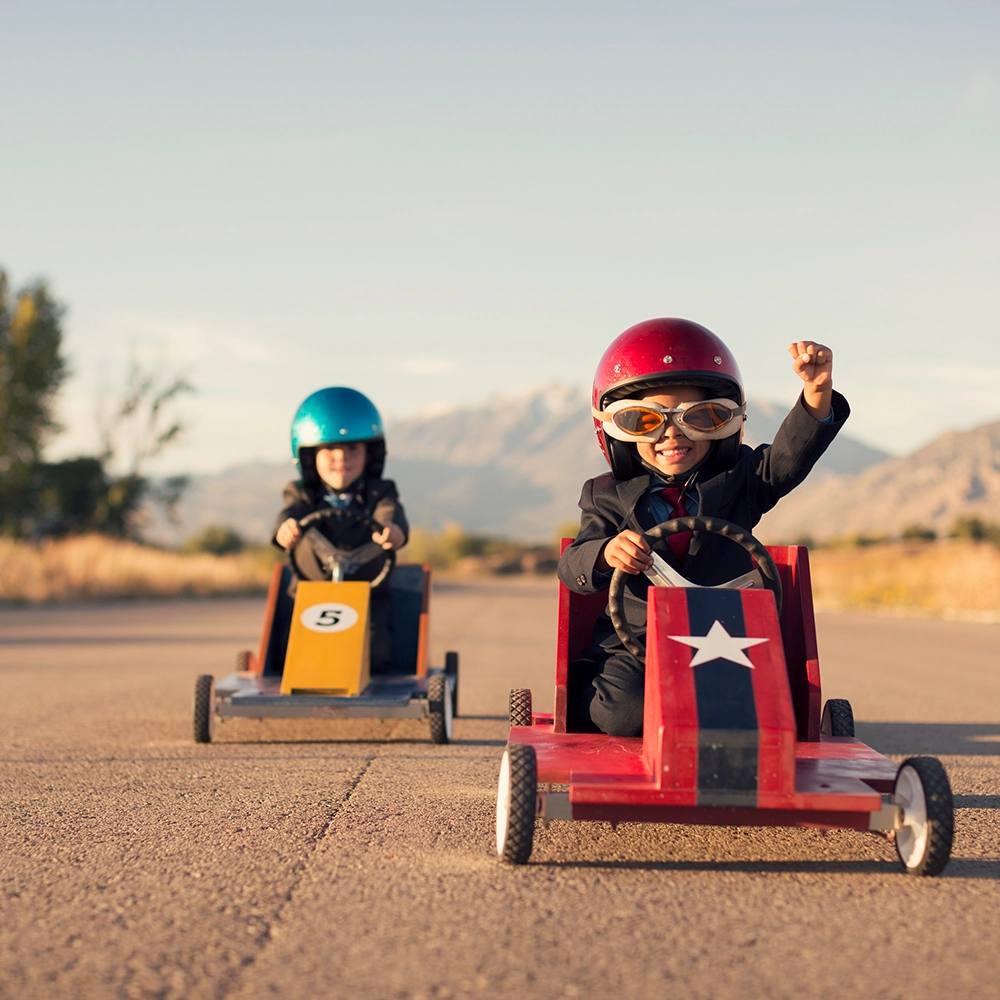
[{"x": 680, "y": 542}]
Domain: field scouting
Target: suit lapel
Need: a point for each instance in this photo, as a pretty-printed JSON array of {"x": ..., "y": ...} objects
[
  {"x": 629, "y": 492},
  {"x": 710, "y": 496}
]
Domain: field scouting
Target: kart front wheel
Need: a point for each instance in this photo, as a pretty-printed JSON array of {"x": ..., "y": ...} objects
[
  {"x": 923, "y": 842},
  {"x": 516, "y": 803},
  {"x": 204, "y": 708},
  {"x": 519, "y": 707},
  {"x": 838, "y": 718},
  {"x": 439, "y": 708}
]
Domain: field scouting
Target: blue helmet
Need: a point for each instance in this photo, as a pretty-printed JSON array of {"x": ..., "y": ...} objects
[{"x": 337, "y": 415}]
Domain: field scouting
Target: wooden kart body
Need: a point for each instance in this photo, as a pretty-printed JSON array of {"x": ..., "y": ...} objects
[
  {"x": 723, "y": 743},
  {"x": 334, "y": 680}
]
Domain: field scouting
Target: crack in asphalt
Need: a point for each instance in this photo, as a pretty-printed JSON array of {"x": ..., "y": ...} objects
[{"x": 267, "y": 936}]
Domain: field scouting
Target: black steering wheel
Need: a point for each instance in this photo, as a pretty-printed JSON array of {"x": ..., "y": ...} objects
[
  {"x": 350, "y": 560},
  {"x": 715, "y": 525}
]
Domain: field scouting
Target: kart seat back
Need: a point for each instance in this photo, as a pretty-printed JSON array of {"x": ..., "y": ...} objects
[
  {"x": 277, "y": 623},
  {"x": 578, "y": 613},
  {"x": 798, "y": 635},
  {"x": 410, "y": 587}
]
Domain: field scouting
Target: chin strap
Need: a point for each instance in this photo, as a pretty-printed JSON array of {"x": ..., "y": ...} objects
[{"x": 682, "y": 481}]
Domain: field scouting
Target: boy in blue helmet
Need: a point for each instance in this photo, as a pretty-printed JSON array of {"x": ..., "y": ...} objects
[{"x": 339, "y": 443}]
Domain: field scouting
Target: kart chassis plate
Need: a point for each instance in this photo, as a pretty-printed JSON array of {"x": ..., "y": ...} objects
[{"x": 256, "y": 697}]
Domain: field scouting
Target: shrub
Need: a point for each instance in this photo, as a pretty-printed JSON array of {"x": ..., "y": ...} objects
[
  {"x": 862, "y": 541},
  {"x": 918, "y": 533},
  {"x": 216, "y": 539},
  {"x": 976, "y": 529}
]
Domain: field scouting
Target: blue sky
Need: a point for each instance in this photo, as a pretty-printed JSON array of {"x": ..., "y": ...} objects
[{"x": 436, "y": 202}]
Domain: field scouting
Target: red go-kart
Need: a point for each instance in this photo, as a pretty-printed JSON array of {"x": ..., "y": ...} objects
[{"x": 733, "y": 732}]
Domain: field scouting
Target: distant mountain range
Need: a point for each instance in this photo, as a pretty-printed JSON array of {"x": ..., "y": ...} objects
[
  {"x": 956, "y": 475},
  {"x": 512, "y": 466}
]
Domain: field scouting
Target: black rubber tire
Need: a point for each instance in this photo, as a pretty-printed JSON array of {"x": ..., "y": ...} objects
[
  {"x": 451, "y": 670},
  {"x": 204, "y": 696},
  {"x": 439, "y": 708},
  {"x": 838, "y": 718},
  {"x": 516, "y": 835},
  {"x": 519, "y": 707},
  {"x": 940, "y": 816},
  {"x": 244, "y": 658}
]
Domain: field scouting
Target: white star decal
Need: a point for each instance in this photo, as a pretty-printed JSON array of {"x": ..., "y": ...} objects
[{"x": 718, "y": 645}]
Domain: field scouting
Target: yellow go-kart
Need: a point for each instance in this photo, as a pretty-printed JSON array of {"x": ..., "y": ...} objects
[{"x": 313, "y": 658}]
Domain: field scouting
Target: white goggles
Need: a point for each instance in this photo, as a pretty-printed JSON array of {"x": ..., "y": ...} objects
[{"x": 700, "y": 420}]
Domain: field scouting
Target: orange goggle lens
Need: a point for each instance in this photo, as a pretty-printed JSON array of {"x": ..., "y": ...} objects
[
  {"x": 638, "y": 420},
  {"x": 708, "y": 416},
  {"x": 701, "y": 417}
]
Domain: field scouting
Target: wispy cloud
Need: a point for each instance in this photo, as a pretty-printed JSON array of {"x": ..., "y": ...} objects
[
  {"x": 427, "y": 366},
  {"x": 920, "y": 402},
  {"x": 927, "y": 375},
  {"x": 150, "y": 338}
]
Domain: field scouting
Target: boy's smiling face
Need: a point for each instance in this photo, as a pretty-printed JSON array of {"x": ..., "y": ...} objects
[
  {"x": 339, "y": 465},
  {"x": 674, "y": 453}
]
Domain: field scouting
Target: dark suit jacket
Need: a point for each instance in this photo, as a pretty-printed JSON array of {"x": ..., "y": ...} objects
[{"x": 741, "y": 494}]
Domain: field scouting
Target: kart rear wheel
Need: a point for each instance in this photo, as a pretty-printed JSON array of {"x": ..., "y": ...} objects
[
  {"x": 439, "y": 707},
  {"x": 516, "y": 793},
  {"x": 838, "y": 718},
  {"x": 519, "y": 707},
  {"x": 204, "y": 708},
  {"x": 923, "y": 843},
  {"x": 451, "y": 671},
  {"x": 244, "y": 661}
]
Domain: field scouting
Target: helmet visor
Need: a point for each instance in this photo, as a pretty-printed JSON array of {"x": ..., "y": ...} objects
[{"x": 701, "y": 420}]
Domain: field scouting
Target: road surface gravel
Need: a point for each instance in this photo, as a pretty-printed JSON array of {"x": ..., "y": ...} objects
[{"x": 302, "y": 859}]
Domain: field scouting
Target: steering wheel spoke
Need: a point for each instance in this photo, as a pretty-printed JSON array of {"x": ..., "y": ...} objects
[
  {"x": 745, "y": 582},
  {"x": 662, "y": 574},
  {"x": 364, "y": 553},
  {"x": 766, "y": 572},
  {"x": 342, "y": 561}
]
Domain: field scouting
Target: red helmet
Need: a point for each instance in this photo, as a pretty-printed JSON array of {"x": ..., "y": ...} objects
[{"x": 659, "y": 352}]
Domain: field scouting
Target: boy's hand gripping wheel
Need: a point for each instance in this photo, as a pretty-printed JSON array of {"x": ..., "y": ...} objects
[{"x": 663, "y": 575}]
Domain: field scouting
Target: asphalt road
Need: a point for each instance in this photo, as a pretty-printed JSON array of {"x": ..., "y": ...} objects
[{"x": 353, "y": 859}]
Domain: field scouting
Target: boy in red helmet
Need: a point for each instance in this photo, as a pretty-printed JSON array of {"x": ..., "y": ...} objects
[{"x": 669, "y": 407}]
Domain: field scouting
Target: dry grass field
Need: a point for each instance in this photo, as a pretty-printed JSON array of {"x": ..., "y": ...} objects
[
  {"x": 953, "y": 578},
  {"x": 92, "y": 566},
  {"x": 956, "y": 579}
]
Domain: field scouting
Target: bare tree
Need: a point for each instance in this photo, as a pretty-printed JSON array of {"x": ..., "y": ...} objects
[{"x": 143, "y": 424}]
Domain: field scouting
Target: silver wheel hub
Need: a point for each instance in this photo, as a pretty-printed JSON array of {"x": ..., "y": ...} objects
[
  {"x": 911, "y": 837},
  {"x": 503, "y": 802},
  {"x": 449, "y": 712}
]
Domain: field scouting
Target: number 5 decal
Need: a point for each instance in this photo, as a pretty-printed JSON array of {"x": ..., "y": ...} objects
[{"x": 329, "y": 617}]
